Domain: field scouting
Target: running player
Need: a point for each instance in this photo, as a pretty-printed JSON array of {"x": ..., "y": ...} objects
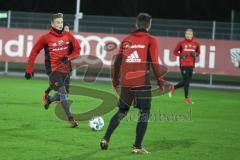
[
  {"x": 47, "y": 100},
  {"x": 187, "y": 49},
  {"x": 56, "y": 45}
]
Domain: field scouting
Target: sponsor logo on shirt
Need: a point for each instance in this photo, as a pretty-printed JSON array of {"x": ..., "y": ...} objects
[{"x": 133, "y": 58}]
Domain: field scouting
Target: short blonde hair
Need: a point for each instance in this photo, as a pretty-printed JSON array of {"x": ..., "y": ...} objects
[
  {"x": 188, "y": 30},
  {"x": 55, "y": 16}
]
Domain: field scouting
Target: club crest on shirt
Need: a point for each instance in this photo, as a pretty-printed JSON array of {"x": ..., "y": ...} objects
[{"x": 60, "y": 42}]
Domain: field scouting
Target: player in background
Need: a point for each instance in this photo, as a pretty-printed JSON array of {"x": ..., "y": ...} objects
[
  {"x": 66, "y": 27},
  {"x": 187, "y": 49},
  {"x": 56, "y": 44},
  {"x": 47, "y": 100},
  {"x": 138, "y": 52}
]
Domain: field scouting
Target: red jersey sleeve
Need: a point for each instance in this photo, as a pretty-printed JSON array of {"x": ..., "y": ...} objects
[
  {"x": 115, "y": 72},
  {"x": 155, "y": 61},
  {"x": 198, "y": 49},
  {"x": 34, "y": 52},
  {"x": 76, "y": 47},
  {"x": 177, "y": 49}
]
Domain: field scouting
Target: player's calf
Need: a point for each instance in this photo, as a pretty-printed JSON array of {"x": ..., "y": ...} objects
[{"x": 171, "y": 90}]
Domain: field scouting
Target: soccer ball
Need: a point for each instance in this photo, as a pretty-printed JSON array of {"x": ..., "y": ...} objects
[{"x": 96, "y": 123}]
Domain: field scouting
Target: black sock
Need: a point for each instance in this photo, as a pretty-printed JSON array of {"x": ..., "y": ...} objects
[
  {"x": 141, "y": 127},
  {"x": 179, "y": 85},
  {"x": 114, "y": 123},
  {"x": 187, "y": 76},
  {"x": 186, "y": 89}
]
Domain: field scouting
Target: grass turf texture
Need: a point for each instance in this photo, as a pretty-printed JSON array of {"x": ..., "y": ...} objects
[{"x": 27, "y": 131}]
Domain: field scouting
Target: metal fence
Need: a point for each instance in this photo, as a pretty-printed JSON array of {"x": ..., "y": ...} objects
[{"x": 123, "y": 25}]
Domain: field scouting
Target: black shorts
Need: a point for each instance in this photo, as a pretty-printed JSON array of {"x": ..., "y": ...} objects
[
  {"x": 140, "y": 97},
  {"x": 187, "y": 72},
  {"x": 59, "y": 79}
]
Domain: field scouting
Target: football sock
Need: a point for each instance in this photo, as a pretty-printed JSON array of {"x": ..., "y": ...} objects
[
  {"x": 141, "y": 127},
  {"x": 54, "y": 98},
  {"x": 186, "y": 88},
  {"x": 64, "y": 101},
  {"x": 115, "y": 121},
  {"x": 179, "y": 85}
]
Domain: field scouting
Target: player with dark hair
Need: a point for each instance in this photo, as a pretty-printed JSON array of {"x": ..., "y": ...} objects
[
  {"x": 56, "y": 45},
  {"x": 188, "y": 49},
  {"x": 66, "y": 27},
  {"x": 138, "y": 52}
]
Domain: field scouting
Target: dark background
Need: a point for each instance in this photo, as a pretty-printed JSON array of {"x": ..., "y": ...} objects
[{"x": 219, "y": 10}]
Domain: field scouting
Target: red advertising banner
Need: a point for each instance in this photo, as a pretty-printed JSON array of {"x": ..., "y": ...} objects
[{"x": 217, "y": 56}]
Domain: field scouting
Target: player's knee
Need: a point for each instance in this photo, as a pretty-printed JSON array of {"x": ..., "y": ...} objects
[
  {"x": 122, "y": 113},
  {"x": 56, "y": 86},
  {"x": 145, "y": 110},
  {"x": 144, "y": 115},
  {"x": 123, "y": 110}
]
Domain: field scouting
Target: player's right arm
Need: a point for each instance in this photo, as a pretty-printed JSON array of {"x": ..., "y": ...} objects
[
  {"x": 34, "y": 52},
  {"x": 115, "y": 72},
  {"x": 155, "y": 62},
  {"x": 198, "y": 49},
  {"x": 177, "y": 50}
]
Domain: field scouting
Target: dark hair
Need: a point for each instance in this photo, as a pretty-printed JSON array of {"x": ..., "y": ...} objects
[
  {"x": 55, "y": 16},
  {"x": 143, "y": 20},
  {"x": 66, "y": 24}
]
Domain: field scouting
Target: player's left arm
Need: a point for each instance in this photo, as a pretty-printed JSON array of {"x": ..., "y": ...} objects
[
  {"x": 198, "y": 49},
  {"x": 196, "y": 53},
  {"x": 177, "y": 49},
  {"x": 155, "y": 62},
  {"x": 75, "y": 46}
]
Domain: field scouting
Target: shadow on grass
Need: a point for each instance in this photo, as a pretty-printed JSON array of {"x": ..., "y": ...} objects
[
  {"x": 21, "y": 103},
  {"x": 166, "y": 144},
  {"x": 22, "y": 127},
  {"x": 97, "y": 154}
]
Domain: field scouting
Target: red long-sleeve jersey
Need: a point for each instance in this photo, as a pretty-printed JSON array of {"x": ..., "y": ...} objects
[
  {"x": 56, "y": 46},
  {"x": 187, "y": 47},
  {"x": 138, "y": 52}
]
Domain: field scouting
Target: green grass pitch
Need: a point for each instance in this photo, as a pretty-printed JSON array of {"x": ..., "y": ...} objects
[{"x": 209, "y": 129}]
